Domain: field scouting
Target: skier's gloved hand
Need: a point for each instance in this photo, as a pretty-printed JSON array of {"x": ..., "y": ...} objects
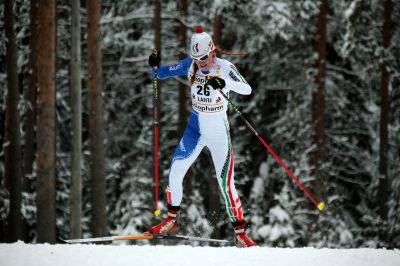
[
  {"x": 216, "y": 83},
  {"x": 154, "y": 59}
]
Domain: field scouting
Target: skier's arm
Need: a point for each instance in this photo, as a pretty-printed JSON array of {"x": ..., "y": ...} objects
[
  {"x": 236, "y": 82},
  {"x": 179, "y": 69},
  {"x": 238, "y": 87}
]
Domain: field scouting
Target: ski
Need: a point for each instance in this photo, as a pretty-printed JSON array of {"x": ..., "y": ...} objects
[{"x": 143, "y": 237}]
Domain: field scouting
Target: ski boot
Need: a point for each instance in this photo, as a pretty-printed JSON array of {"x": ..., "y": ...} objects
[
  {"x": 241, "y": 238},
  {"x": 169, "y": 225}
]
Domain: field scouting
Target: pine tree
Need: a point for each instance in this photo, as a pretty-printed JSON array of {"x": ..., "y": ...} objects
[
  {"x": 46, "y": 122},
  {"x": 96, "y": 121},
  {"x": 12, "y": 156}
]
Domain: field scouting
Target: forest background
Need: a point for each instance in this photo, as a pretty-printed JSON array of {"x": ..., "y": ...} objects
[{"x": 76, "y": 123}]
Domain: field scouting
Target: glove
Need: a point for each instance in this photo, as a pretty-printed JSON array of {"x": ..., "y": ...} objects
[
  {"x": 154, "y": 59},
  {"x": 216, "y": 83}
]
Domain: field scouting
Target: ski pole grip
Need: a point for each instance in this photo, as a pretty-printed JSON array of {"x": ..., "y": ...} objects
[{"x": 155, "y": 53}]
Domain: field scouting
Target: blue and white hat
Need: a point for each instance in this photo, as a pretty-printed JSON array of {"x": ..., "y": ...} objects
[{"x": 201, "y": 44}]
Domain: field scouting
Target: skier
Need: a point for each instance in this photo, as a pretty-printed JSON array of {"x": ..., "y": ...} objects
[{"x": 207, "y": 126}]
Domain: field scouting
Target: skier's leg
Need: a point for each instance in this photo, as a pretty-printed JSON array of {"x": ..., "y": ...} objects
[
  {"x": 222, "y": 153},
  {"x": 178, "y": 170},
  {"x": 186, "y": 153}
]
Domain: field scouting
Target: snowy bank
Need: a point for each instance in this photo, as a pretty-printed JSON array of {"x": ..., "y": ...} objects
[{"x": 20, "y": 254}]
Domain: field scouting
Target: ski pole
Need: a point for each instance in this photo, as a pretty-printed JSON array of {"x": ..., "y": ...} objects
[
  {"x": 157, "y": 212},
  {"x": 320, "y": 205}
]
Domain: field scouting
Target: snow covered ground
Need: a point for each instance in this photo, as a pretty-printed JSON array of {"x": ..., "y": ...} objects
[{"x": 19, "y": 254}]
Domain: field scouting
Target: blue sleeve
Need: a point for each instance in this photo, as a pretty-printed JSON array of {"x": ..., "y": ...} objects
[{"x": 179, "y": 69}]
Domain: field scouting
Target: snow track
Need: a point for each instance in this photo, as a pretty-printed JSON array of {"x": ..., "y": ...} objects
[{"x": 20, "y": 254}]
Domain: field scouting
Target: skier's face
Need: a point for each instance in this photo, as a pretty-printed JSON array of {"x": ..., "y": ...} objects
[{"x": 206, "y": 61}]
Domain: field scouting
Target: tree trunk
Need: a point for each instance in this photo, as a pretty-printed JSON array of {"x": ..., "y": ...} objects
[
  {"x": 46, "y": 121},
  {"x": 383, "y": 190},
  {"x": 318, "y": 103},
  {"x": 183, "y": 113},
  {"x": 217, "y": 27},
  {"x": 157, "y": 24},
  {"x": 13, "y": 162},
  {"x": 181, "y": 34},
  {"x": 317, "y": 155},
  {"x": 214, "y": 202},
  {"x": 96, "y": 120},
  {"x": 76, "y": 107}
]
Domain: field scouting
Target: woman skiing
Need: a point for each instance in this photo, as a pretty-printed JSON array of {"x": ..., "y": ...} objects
[{"x": 207, "y": 126}]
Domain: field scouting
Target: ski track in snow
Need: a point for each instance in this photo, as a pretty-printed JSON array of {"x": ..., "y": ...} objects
[{"x": 21, "y": 254}]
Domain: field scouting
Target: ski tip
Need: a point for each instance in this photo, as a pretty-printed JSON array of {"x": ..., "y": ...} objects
[{"x": 72, "y": 241}]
